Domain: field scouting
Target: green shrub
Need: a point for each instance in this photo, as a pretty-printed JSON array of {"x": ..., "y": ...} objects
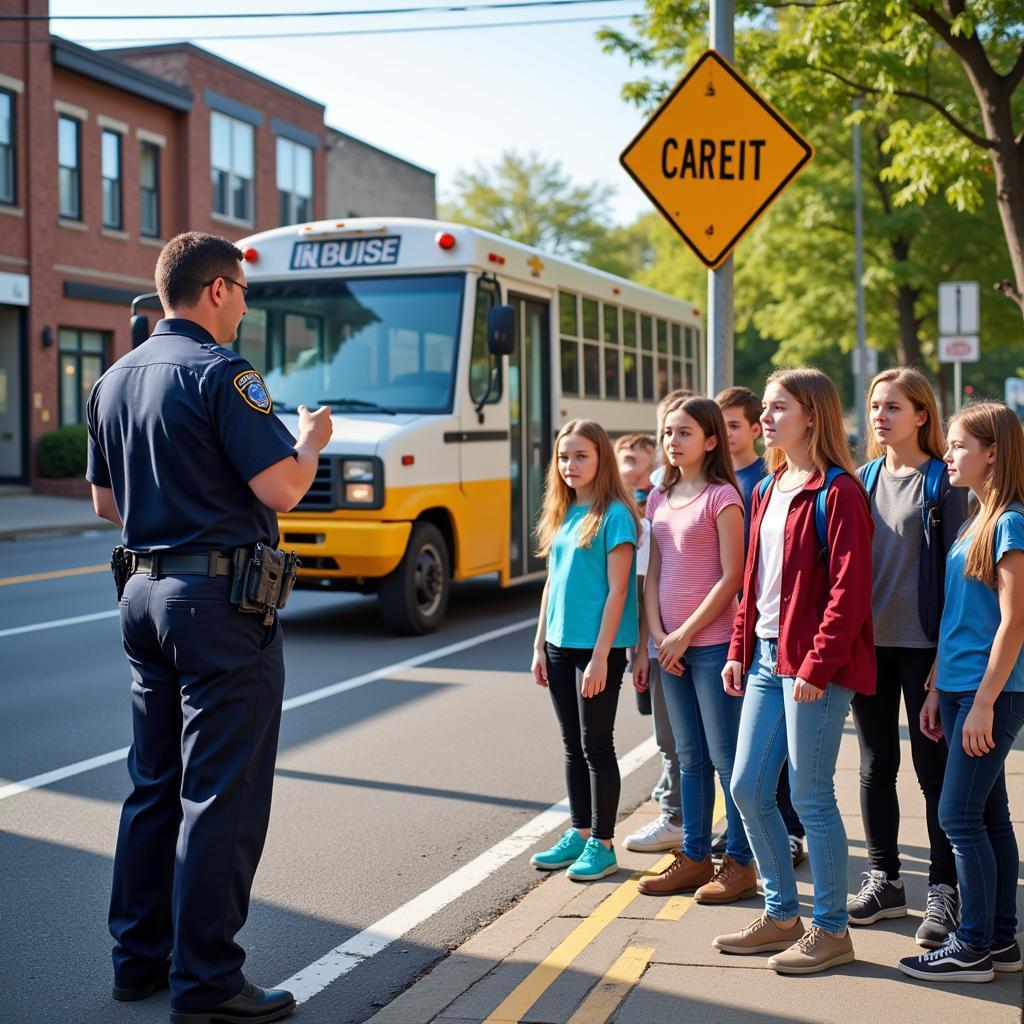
[{"x": 62, "y": 453}]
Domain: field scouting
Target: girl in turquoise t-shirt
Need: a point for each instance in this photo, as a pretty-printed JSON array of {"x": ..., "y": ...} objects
[
  {"x": 588, "y": 529},
  {"x": 977, "y": 701}
]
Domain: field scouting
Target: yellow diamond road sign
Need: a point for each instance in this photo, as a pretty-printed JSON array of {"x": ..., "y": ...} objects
[{"x": 714, "y": 156}]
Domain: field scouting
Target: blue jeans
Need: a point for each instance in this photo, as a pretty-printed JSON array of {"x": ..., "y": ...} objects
[
  {"x": 705, "y": 722},
  {"x": 772, "y": 727},
  {"x": 974, "y": 812}
]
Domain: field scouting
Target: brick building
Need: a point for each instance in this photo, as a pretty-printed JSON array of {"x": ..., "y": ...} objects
[{"x": 103, "y": 157}]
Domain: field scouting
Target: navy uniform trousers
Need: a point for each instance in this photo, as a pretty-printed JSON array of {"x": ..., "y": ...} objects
[{"x": 207, "y": 685}]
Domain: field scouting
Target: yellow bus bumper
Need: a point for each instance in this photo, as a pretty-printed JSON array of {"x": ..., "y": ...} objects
[{"x": 343, "y": 549}]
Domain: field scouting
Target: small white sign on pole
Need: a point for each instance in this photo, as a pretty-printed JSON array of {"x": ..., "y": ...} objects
[
  {"x": 959, "y": 303},
  {"x": 871, "y": 361},
  {"x": 959, "y": 348}
]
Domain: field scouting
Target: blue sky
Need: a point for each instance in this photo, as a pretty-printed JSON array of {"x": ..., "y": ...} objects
[{"x": 445, "y": 100}]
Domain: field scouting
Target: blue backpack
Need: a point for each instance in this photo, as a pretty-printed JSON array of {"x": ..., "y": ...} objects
[
  {"x": 933, "y": 477},
  {"x": 820, "y": 519}
]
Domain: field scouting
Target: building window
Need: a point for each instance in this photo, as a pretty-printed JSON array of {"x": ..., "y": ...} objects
[
  {"x": 149, "y": 190},
  {"x": 69, "y": 161},
  {"x": 231, "y": 160},
  {"x": 8, "y": 192},
  {"x": 294, "y": 181},
  {"x": 110, "y": 164},
  {"x": 83, "y": 357}
]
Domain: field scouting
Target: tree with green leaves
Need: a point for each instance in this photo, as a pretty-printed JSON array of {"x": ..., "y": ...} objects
[
  {"x": 532, "y": 200},
  {"x": 959, "y": 62}
]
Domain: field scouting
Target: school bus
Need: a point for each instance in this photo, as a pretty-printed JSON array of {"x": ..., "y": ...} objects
[{"x": 443, "y": 425}]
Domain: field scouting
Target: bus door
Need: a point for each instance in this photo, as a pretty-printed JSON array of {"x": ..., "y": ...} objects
[{"x": 529, "y": 389}]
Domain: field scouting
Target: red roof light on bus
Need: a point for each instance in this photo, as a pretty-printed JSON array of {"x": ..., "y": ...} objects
[
  {"x": 445, "y": 239},
  {"x": 250, "y": 255},
  {"x": 495, "y": 258}
]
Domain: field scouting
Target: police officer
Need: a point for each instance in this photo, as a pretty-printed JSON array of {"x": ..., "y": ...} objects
[{"x": 187, "y": 456}]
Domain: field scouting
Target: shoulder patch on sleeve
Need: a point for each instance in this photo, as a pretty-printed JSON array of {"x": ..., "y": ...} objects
[{"x": 251, "y": 386}]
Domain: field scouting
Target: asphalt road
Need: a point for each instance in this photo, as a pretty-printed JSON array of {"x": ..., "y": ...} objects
[{"x": 383, "y": 791}]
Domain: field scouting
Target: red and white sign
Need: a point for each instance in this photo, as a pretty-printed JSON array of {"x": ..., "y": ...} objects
[{"x": 959, "y": 348}]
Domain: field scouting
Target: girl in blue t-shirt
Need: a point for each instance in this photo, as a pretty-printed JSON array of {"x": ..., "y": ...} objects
[
  {"x": 978, "y": 697},
  {"x": 588, "y": 529}
]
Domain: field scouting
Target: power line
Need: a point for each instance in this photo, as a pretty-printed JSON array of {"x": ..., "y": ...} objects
[
  {"x": 233, "y": 15},
  {"x": 335, "y": 34}
]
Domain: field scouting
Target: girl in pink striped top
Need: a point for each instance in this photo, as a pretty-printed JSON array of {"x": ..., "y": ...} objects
[{"x": 694, "y": 574}]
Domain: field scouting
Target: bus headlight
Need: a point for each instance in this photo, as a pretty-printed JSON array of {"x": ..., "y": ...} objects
[
  {"x": 360, "y": 470},
  {"x": 359, "y": 482},
  {"x": 360, "y": 494}
]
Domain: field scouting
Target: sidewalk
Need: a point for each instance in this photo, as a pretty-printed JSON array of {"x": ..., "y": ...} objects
[
  {"x": 25, "y": 515},
  {"x": 588, "y": 954}
]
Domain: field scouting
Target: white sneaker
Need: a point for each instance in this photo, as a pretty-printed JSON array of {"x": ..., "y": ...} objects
[{"x": 656, "y": 835}]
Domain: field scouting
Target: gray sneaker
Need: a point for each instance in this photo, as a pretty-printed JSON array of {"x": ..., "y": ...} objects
[
  {"x": 941, "y": 916},
  {"x": 877, "y": 898},
  {"x": 659, "y": 834}
]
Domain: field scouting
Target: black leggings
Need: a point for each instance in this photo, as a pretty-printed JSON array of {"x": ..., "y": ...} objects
[
  {"x": 588, "y": 727},
  {"x": 900, "y": 669}
]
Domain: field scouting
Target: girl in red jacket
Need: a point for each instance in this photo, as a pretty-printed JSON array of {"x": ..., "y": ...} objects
[{"x": 803, "y": 630}]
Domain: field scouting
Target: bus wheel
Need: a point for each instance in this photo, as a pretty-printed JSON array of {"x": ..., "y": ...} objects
[{"x": 414, "y": 598}]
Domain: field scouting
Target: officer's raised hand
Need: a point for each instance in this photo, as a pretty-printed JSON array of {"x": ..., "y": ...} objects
[
  {"x": 317, "y": 425},
  {"x": 283, "y": 485}
]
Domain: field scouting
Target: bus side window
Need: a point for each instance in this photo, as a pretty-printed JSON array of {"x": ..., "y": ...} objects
[{"x": 480, "y": 363}]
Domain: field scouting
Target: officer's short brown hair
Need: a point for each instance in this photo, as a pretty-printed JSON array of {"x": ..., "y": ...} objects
[
  {"x": 189, "y": 262},
  {"x": 743, "y": 398}
]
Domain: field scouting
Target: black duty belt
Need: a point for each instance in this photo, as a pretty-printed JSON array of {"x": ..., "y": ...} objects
[{"x": 211, "y": 564}]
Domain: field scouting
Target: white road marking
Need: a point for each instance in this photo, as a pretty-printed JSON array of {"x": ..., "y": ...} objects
[
  {"x": 35, "y": 627},
  {"x": 317, "y": 976},
  {"x": 80, "y": 767}
]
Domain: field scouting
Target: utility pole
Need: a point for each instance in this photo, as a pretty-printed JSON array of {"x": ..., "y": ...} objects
[
  {"x": 861, "y": 375},
  {"x": 720, "y": 282}
]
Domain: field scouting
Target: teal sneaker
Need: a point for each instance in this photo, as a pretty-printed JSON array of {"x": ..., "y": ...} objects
[
  {"x": 596, "y": 861},
  {"x": 562, "y": 854}
]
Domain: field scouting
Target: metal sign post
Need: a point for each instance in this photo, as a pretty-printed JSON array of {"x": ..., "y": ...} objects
[{"x": 721, "y": 335}]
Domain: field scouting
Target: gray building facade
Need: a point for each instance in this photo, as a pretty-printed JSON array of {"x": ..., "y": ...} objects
[{"x": 364, "y": 181}]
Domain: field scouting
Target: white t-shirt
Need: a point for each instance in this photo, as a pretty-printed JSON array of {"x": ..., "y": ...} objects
[
  {"x": 643, "y": 549},
  {"x": 769, "y": 575}
]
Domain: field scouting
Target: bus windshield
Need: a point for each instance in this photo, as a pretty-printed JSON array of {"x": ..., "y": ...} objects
[{"x": 361, "y": 344}]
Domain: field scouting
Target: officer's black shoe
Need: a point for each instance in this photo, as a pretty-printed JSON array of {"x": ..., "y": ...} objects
[
  {"x": 253, "y": 1005},
  {"x": 133, "y": 993}
]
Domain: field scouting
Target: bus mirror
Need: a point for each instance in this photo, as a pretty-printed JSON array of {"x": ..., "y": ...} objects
[
  {"x": 140, "y": 329},
  {"x": 501, "y": 330}
]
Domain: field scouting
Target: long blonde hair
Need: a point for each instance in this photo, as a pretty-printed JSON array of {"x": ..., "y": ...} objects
[
  {"x": 827, "y": 445},
  {"x": 717, "y": 465},
  {"x": 993, "y": 423},
  {"x": 916, "y": 389},
  {"x": 558, "y": 495}
]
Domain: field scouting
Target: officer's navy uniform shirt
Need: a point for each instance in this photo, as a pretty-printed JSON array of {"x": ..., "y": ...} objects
[{"x": 177, "y": 428}]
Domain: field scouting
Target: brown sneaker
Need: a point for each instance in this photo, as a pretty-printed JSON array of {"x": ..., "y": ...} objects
[
  {"x": 682, "y": 875},
  {"x": 732, "y": 882},
  {"x": 817, "y": 950},
  {"x": 763, "y": 936}
]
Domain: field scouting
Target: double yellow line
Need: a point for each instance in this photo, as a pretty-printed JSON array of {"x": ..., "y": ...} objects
[
  {"x": 603, "y": 999},
  {"x": 36, "y": 577}
]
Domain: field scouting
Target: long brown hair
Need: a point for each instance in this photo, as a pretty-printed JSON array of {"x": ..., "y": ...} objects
[
  {"x": 827, "y": 445},
  {"x": 916, "y": 389},
  {"x": 558, "y": 495},
  {"x": 717, "y": 465},
  {"x": 993, "y": 423}
]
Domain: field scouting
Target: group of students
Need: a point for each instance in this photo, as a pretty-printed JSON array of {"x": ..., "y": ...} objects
[{"x": 759, "y": 601}]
